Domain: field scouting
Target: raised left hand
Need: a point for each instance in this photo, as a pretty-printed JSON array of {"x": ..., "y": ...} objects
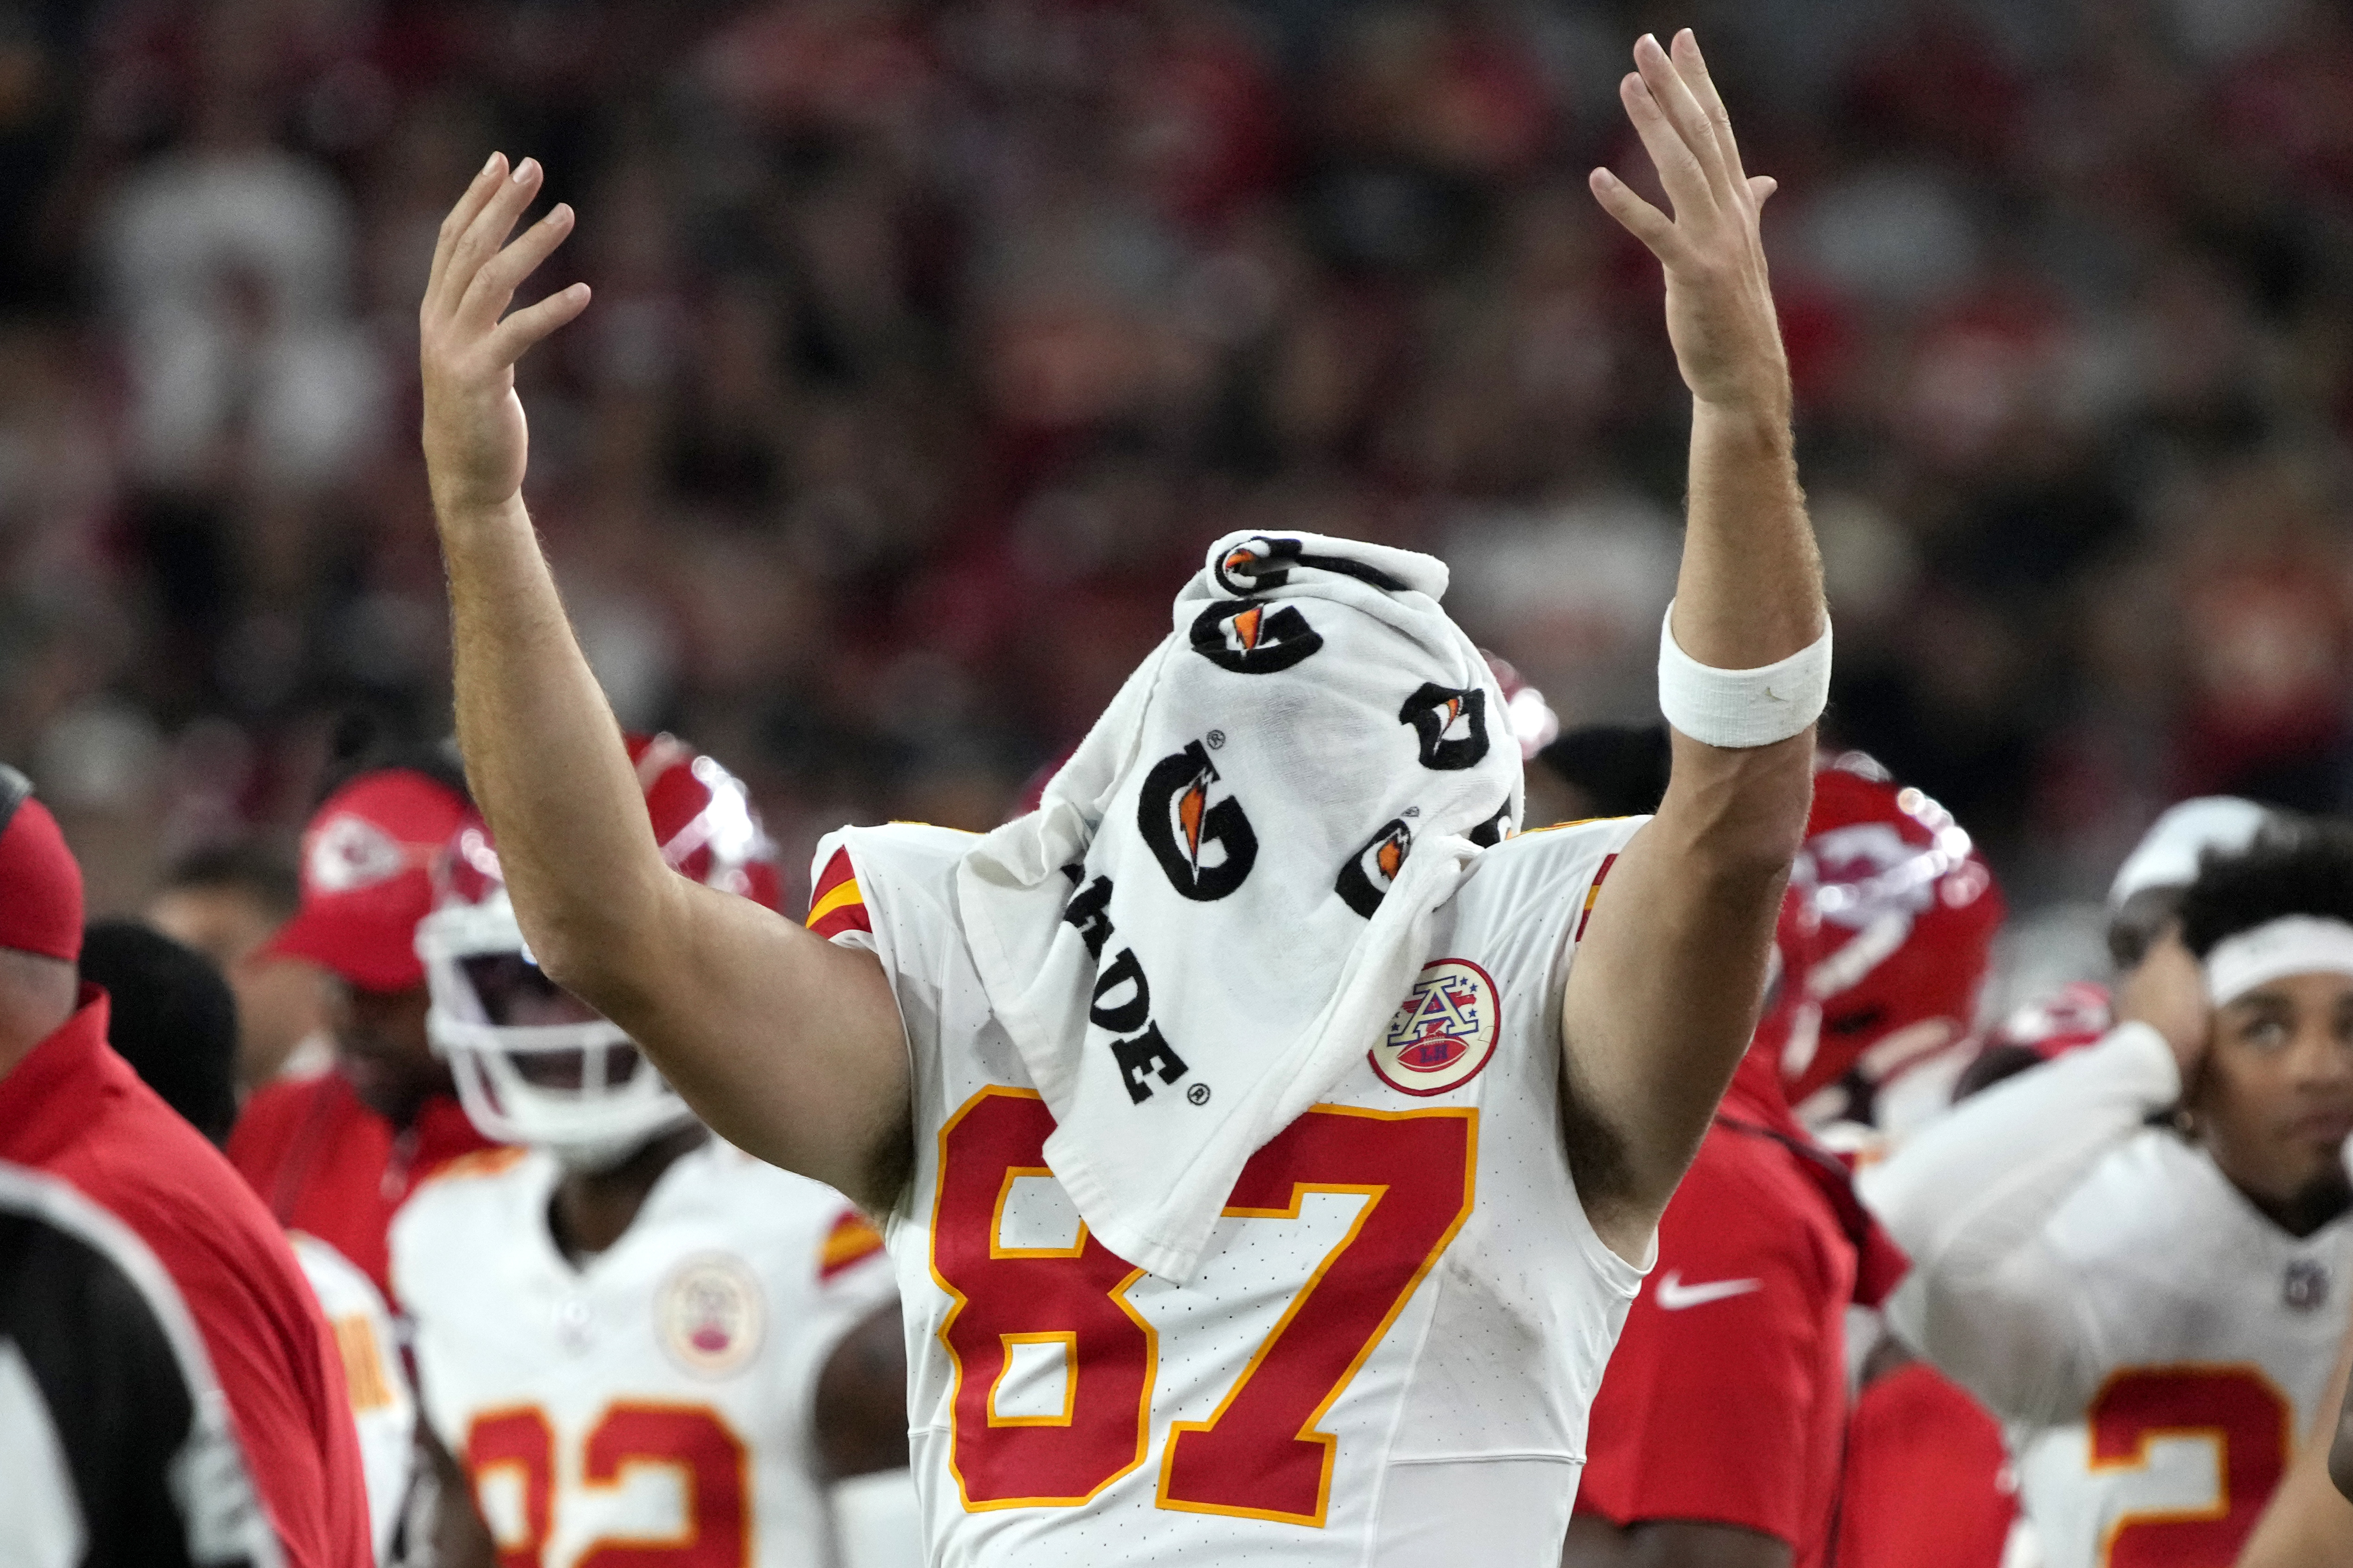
[{"x": 1720, "y": 314}]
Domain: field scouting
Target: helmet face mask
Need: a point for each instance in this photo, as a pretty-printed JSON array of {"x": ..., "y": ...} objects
[{"x": 532, "y": 1063}]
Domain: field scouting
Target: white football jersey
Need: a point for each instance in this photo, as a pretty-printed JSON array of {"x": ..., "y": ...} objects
[
  {"x": 2215, "y": 1333},
  {"x": 384, "y": 1410},
  {"x": 660, "y": 1394},
  {"x": 1387, "y": 1357}
]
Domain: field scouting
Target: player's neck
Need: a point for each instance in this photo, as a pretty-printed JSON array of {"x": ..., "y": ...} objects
[
  {"x": 591, "y": 1209},
  {"x": 2304, "y": 1211}
]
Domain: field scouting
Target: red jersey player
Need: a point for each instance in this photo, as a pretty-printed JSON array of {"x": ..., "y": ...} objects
[
  {"x": 335, "y": 1155},
  {"x": 1720, "y": 1427},
  {"x": 1390, "y": 1277},
  {"x": 73, "y": 1111}
]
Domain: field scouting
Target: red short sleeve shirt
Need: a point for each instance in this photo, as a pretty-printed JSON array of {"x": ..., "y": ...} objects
[
  {"x": 1725, "y": 1400},
  {"x": 76, "y": 1110}
]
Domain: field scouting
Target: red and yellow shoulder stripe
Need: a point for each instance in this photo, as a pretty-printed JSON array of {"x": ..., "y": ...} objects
[
  {"x": 837, "y": 904},
  {"x": 1592, "y": 891},
  {"x": 851, "y": 1240}
]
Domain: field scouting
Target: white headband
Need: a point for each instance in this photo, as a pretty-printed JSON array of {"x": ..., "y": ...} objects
[{"x": 2292, "y": 944}]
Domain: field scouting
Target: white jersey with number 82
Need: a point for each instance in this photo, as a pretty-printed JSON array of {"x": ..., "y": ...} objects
[{"x": 658, "y": 1396}]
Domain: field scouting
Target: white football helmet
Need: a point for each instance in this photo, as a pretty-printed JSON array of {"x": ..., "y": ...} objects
[{"x": 533, "y": 1064}]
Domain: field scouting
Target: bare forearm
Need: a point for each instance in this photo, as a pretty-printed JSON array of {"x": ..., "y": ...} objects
[
  {"x": 1663, "y": 996},
  {"x": 1750, "y": 589},
  {"x": 1749, "y": 593},
  {"x": 545, "y": 759},
  {"x": 457, "y": 1538},
  {"x": 1706, "y": 875},
  {"x": 708, "y": 984}
]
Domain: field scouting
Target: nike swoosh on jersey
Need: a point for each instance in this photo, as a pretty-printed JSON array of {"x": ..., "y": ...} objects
[{"x": 1674, "y": 1295}]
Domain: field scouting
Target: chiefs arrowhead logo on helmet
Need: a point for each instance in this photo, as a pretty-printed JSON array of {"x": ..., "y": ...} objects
[
  {"x": 1200, "y": 836},
  {"x": 1451, "y": 725},
  {"x": 1366, "y": 876},
  {"x": 1248, "y": 636}
]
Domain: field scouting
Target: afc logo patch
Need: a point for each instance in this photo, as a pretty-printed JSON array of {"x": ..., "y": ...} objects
[
  {"x": 1443, "y": 1033},
  {"x": 709, "y": 1316}
]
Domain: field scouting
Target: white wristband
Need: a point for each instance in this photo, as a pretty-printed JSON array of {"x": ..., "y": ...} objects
[{"x": 1736, "y": 708}]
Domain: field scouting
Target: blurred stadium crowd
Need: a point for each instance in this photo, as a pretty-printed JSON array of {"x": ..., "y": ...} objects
[{"x": 933, "y": 341}]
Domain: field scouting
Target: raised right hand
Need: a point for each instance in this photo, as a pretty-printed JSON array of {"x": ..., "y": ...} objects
[
  {"x": 1720, "y": 314},
  {"x": 476, "y": 442},
  {"x": 2168, "y": 992}
]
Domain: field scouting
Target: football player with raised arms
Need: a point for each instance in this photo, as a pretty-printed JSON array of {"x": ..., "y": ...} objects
[
  {"x": 618, "y": 1294},
  {"x": 2137, "y": 1255},
  {"x": 1270, "y": 1141}
]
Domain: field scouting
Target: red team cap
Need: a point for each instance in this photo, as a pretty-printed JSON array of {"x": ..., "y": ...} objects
[
  {"x": 367, "y": 878},
  {"x": 1885, "y": 936},
  {"x": 40, "y": 882}
]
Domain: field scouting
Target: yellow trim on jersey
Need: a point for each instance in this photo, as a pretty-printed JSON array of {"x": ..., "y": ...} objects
[
  {"x": 629, "y": 1463},
  {"x": 1069, "y": 1340},
  {"x": 1118, "y": 1294},
  {"x": 996, "y": 1221},
  {"x": 843, "y": 894},
  {"x": 480, "y": 1163},
  {"x": 2214, "y": 1432},
  {"x": 1307, "y": 1432},
  {"x": 851, "y": 1239}
]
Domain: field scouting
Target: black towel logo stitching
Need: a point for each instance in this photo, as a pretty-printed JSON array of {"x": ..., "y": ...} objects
[
  {"x": 1433, "y": 710},
  {"x": 1184, "y": 822},
  {"x": 1366, "y": 876}
]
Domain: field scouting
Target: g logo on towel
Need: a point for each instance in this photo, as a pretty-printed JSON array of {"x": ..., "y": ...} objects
[
  {"x": 1451, "y": 725},
  {"x": 1186, "y": 825},
  {"x": 1266, "y": 560},
  {"x": 1245, "y": 636},
  {"x": 1365, "y": 879}
]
